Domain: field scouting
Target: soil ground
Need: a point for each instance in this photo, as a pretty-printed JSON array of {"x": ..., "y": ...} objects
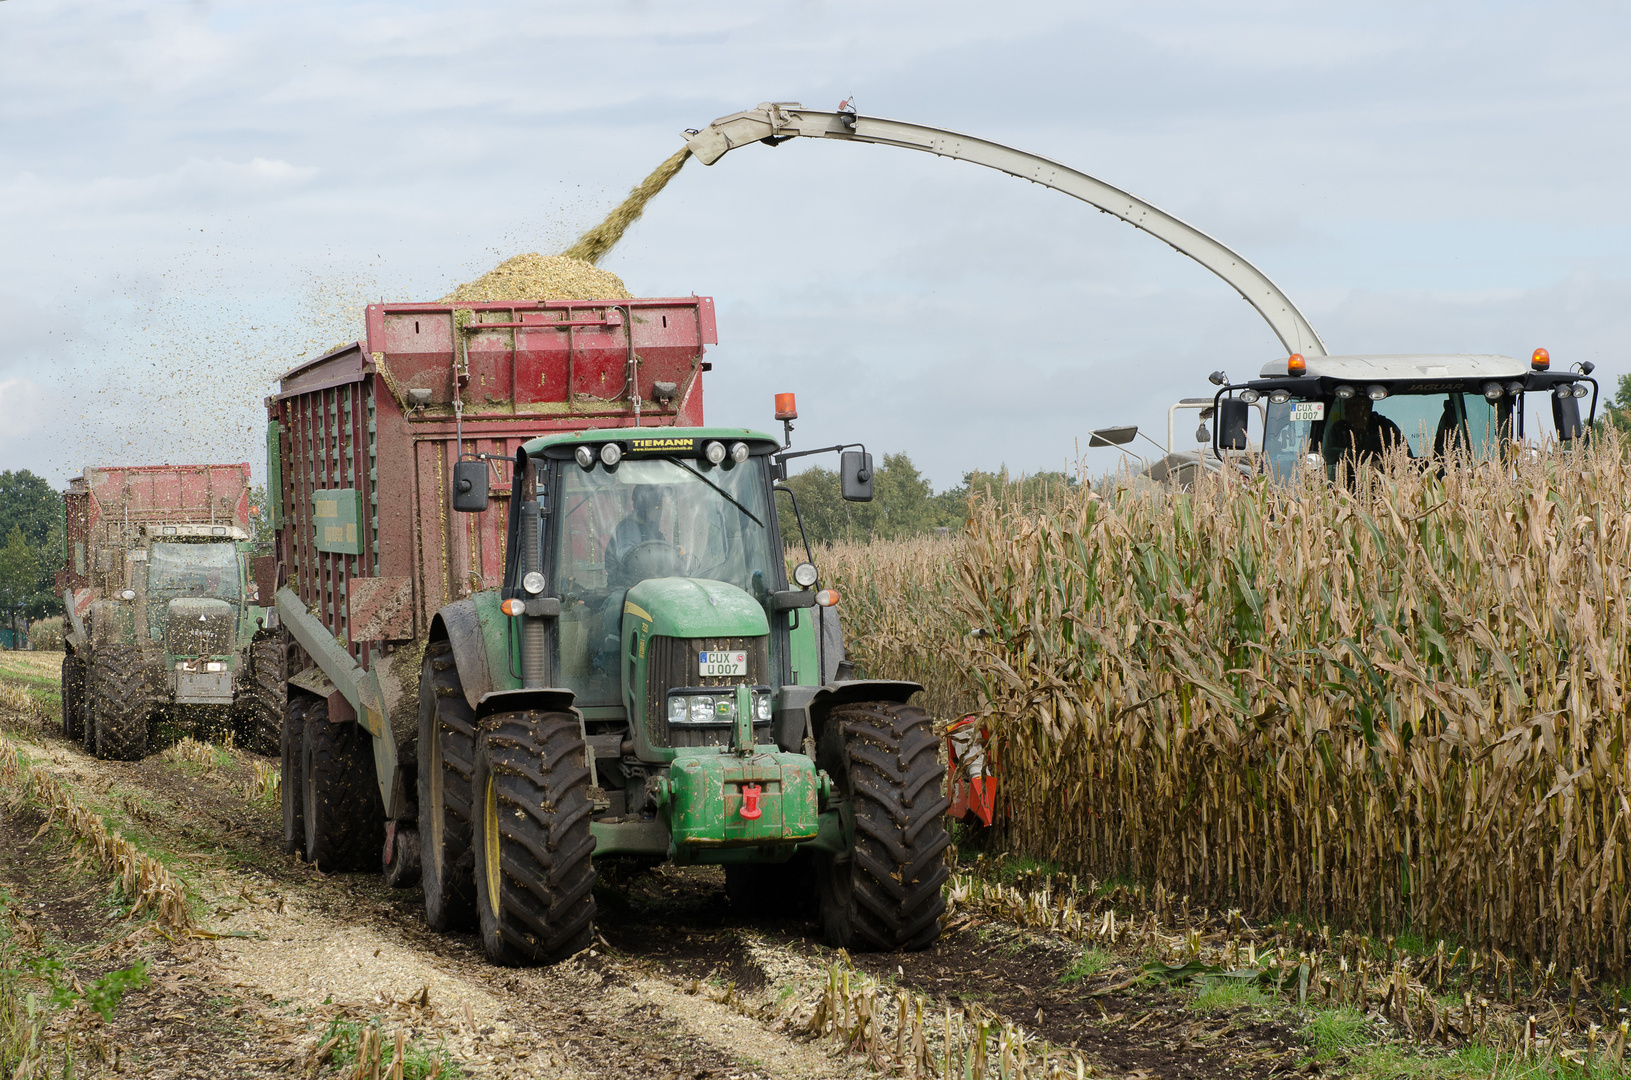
[{"x": 289, "y": 967}]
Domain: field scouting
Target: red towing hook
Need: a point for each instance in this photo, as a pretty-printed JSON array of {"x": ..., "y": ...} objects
[{"x": 750, "y": 801}]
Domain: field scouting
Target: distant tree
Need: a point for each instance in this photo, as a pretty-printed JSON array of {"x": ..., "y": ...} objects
[
  {"x": 33, "y": 508},
  {"x": 1617, "y": 412},
  {"x": 19, "y": 578},
  {"x": 260, "y": 520},
  {"x": 903, "y": 504}
]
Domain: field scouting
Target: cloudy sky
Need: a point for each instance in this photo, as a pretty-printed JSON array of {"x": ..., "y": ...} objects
[{"x": 195, "y": 195}]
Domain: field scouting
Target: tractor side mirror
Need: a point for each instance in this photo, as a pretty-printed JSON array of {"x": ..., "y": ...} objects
[
  {"x": 855, "y": 476},
  {"x": 470, "y": 486},
  {"x": 1232, "y": 416},
  {"x": 1566, "y": 412}
]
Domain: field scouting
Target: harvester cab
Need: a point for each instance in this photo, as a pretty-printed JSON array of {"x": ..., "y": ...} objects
[
  {"x": 649, "y": 684},
  {"x": 1325, "y": 412}
]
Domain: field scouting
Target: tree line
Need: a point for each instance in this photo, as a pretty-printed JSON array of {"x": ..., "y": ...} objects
[
  {"x": 32, "y": 525},
  {"x": 904, "y": 504}
]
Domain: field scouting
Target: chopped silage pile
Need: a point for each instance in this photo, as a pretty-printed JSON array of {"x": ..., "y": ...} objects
[{"x": 540, "y": 277}]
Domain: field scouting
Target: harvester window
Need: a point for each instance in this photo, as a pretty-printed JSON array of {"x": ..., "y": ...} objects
[{"x": 643, "y": 519}]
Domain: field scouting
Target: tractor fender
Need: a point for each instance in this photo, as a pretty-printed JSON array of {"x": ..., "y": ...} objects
[
  {"x": 541, "y": 698},
  {"x": 804, "y": 709},
  {"x": 461, "y": 625}
]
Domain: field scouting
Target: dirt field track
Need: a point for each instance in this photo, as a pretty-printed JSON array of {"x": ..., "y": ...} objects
[{"x": 288, "y": 972}]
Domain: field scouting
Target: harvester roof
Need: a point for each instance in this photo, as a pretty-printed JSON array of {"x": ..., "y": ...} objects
[{"x": 1414, "y": 367}]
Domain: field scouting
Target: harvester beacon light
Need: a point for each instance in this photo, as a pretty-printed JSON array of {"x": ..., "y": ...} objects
[
  {"x": 585, "y": 457},
  {"x": 1249, "y": 396},
  {"x": 1376, "y": 392},
  {"x": 1280, "y": 397},
  {"x": 512, "y": 607},
  {"x": 611, "y": 454},
  {"x": 1494, "y": 391},
  {"x": 1296, "y": 365},
  {"x": 1540, "y": 360},
  {"x": 739, "y": 452},
  {"x": 533, "y": 582},
  {"x": 714, "y": 452},
  {"x": 786, "y": 407},
  {"x": 1344, "y": 392}
]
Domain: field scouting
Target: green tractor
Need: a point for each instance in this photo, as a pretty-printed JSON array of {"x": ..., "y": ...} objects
[{"x": 647, "y": 685}]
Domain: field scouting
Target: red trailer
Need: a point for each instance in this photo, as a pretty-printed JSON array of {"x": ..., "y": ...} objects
[{"x": 362, "y": 445}]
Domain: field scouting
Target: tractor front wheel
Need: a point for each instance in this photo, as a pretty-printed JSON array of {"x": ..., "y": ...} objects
[
  {"x": 345, "y": 820},
  {"x": 447, "y": 753},
  {"x": 73, "y": 697},
  {"x": 534, "y": 876},
  {"x": 118, "y": 699},
  {"x": 260, "y": 717},
  {"x": 886, "y": 895}
]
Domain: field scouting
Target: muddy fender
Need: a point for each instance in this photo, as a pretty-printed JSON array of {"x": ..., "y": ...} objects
[{"x": 476, "y": 631}]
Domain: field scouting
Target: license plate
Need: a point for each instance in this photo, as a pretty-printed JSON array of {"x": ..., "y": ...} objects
[
  {"x": 721, "y": 664},
  {"x": 1308, "y": 410}
]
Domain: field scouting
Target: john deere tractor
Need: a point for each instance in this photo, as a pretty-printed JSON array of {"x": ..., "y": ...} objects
[{"x": 648, "y": 685}]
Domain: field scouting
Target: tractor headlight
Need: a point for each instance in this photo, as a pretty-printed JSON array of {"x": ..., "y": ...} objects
[
  {"x": 1493, "y": 391},
  {"x": 585, "y": 457},
  {"x": 739, "y": 452},
  {"x": 714, "y": 452},
  {"x": 1344, "y": 392},
  {"x": 128, "y": 594},
  {"x": 215, "y": 665},
  {"x": 677, "y": 709},
  {"x": 1280, "y": 397},
  {"x": 804, "y": 575},
  {"x": 533, "y": 582},
  {"x": 611, "y": 454},
  {"x": 1249, "y": 396},
  {"x": 703, "y": 709},
  {"x": 1376, "y": 391},
  {"x": 761, "y": 706}
]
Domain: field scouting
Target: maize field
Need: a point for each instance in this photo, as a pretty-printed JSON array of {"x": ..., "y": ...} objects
[{"x": 1400, "y": 705}]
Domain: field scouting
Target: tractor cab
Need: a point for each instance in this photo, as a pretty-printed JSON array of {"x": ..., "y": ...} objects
[
  {"x": 1328, "y": 412},
  {"x": 190, "y": 606}
]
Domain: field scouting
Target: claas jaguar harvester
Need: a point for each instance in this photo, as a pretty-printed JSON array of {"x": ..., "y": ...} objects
[{"x": 538, "y": 615}]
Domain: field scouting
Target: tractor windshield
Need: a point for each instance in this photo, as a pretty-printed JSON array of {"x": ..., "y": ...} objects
[
  {"x": 1358, "y": 428},
  {"x": 176, "y": 571},
  {"x": 616, "y": 527}
]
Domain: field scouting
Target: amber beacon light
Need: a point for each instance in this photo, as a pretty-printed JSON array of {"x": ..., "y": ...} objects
[
  {"x": 1296, "y": 365},
  {"x": 786, "y": 407},
  {"x": 1541, "y": 360}
]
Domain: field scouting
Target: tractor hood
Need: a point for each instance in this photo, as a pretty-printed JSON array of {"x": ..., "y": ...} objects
[{"x": 695, "y": 608}]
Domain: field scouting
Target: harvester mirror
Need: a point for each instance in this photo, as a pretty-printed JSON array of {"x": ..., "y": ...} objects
[
  {"x": 1112, "y": 436},
  {"x": 855, "y": 474},
  {"x": 1232, "y": 415},
  {"x": 1566, "y": 411},
  {"x": 470, "y": 486}
]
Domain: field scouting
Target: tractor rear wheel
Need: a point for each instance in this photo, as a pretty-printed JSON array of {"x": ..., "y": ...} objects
[
  {"x": 293, "y": 782},
  {"x": 260, "y": 716},
  {"x": 117, "y": 692},
  {"x": 535, "y": 878},
  {"x": 886, "y": 896},
  {"x": 73, "y": 697},
  {"x": 447, "y": 754},
  {"x": 345, "y": 820}
]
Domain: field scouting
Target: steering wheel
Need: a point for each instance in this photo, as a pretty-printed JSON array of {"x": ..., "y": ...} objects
[{"x": 653, "y": 559}]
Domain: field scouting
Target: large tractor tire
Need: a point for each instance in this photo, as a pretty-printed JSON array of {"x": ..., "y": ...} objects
[
  {"x": 260, "y": 712},
  {"x": 886, "y": 896},
  {"x": 344, "y": 818},
  {"x": 447, "y": 756},
  {"x": 535, "y": 879},
  {"x": 117, "y": 697},
  {"x": 73, "y": 697},
  {"x": 292, "y": 781}
]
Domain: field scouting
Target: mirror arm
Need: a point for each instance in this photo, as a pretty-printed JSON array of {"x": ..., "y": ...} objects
[{"x": 785, "y": 456}]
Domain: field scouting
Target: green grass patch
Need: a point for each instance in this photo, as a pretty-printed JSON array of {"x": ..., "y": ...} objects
[
  {"x": 1225, "y": 995},
  {"x": 349, "y": 1040},
  {"x": 1334, "y": 1031},
  {"x": 1089, "y": 963}
]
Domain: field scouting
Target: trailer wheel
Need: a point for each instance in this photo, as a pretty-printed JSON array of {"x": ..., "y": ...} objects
[
  {"x": 447, "y": 751},
  {"x": 73, "y": 697},
  {"x": 293, "y": 781},
  {"x": 261, "y": 718},
  {"x": 886, "y": 896},
  {"x": 117, "y": 691},
  {"x": 534, "y": 876},
  {"x": 345, "y": 820}
]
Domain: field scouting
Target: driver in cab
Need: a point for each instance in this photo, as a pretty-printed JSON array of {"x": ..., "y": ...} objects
[
  {"x": 641, "y": 529},
  {"x": 1362, "y": 434}
]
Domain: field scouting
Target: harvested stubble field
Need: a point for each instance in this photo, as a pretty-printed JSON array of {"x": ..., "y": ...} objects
[
  {"x": 1396, "y": 710},
  {"x": 271, "y": 969}
]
